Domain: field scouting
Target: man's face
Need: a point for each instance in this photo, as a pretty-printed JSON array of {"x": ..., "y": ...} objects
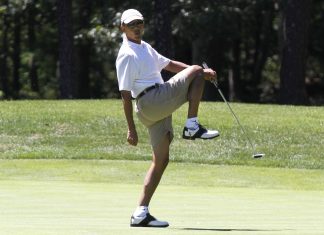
[{"x": 134, "y": 30}]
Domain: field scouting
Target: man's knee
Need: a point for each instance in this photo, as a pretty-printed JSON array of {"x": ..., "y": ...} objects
[
  {"x": 163, "y": 160},
  {"x": 161, "y": 163},
  {"x": 166, "y": 161},
  {"x": 196, "y": 71},
  {"x": 196, "y": 68}
]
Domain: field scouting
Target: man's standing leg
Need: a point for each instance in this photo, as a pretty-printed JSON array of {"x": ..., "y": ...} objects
[
  {"x": 155, "y": 172},
  {"x": 141, "y": 216}
]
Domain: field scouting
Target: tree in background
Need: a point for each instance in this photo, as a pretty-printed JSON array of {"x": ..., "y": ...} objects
[
  {"x": 16, "y": 55},
  {"x": 162, "y": 31},
  {"x": 235, "y": 37},
  {"x": 32, "y": 63},
  {"x": 4, "y": 49},
  {"x": 83, "y": 50},
  {"x": 315, "y": 57},
  {"x": 66, "y": 78},
  {"x": 239, "y": 38},
  {"x": 295, "y": 25}
]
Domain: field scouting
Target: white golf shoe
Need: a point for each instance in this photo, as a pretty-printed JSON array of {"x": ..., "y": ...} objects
[
  {"x": 200, "y": 132},
  {"x": 147, "y": 221}
]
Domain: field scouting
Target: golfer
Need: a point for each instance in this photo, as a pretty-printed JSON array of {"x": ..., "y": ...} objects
[{"x": 139, "y": 76}]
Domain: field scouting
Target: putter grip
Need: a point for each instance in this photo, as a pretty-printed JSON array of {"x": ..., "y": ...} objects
[{"x": 205, "y": 66}]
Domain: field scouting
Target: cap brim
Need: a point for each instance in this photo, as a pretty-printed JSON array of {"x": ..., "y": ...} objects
[{"x": 130, "y": 19}]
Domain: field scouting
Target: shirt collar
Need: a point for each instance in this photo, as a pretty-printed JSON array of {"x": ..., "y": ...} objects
[{"x": 130, "y": 43}]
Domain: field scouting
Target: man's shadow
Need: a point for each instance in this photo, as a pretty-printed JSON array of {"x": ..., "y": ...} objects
[{"x": 232, "y": 230}]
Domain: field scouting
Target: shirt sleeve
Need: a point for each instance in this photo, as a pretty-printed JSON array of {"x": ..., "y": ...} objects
[
  {"x": 126, "y": 72},
  {"x": 161, "y": 60}
]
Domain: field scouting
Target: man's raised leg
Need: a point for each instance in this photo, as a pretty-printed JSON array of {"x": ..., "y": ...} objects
[{"x": 193, "y": 129}]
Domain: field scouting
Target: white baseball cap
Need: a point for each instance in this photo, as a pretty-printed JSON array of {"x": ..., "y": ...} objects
[{"x": 130, "y": 15}]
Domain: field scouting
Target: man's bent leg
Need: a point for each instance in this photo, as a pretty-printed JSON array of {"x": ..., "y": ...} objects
[
  {"x": 195, "y": 92},
  {"x": 193, "y": 129},
  {"x": 192, "y": 81}
]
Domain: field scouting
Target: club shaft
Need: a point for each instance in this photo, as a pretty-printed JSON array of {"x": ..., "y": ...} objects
[
  {"x": 236, "y": 118},
  {"x": 230, "y": 108}
]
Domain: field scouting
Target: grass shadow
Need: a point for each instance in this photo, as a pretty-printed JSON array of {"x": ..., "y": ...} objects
[{"x": 233, "y": 230}]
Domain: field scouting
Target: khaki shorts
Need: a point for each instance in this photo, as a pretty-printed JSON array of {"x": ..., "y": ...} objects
[{"x": 155, "y": 108}]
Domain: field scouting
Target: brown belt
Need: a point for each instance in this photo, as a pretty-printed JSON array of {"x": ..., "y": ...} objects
[{"x": 146, "y": 90}]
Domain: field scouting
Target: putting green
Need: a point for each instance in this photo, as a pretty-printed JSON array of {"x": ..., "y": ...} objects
[{"x": 67, "y": 207}]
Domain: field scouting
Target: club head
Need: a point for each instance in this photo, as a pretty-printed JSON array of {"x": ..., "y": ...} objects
[{"x": 258, "y": 155}]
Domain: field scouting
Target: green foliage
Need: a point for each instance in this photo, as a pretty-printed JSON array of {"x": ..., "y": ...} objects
[
  {"x": 239, "y": 36},
  {"x": 271, "y": 82},
  {"x": 2, "y": 9}
]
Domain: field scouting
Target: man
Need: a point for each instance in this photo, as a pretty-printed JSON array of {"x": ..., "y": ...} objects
[{"x": 138, "y": 68}]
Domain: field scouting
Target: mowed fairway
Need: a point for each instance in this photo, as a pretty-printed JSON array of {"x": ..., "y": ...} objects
[{"x": 97, "y": 197}]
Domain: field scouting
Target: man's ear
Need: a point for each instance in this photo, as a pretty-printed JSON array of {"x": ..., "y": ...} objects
[{"x": 122, "y": 28}]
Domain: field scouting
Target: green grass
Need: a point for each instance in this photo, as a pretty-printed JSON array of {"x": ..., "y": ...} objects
[
  {"x": 98, "y": 196},
  {"x": 65, "y": 168},
  {"x": 291, "y": 137},
  {"x": 182, "y": 174},
  {"x": 83, "y": 208}
]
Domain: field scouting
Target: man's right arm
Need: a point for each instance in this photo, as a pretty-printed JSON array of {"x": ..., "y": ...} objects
[{"x": 132, "y": 137}]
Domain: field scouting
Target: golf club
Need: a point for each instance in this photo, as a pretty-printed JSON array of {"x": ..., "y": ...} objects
[{"x": 255, "y": 155}]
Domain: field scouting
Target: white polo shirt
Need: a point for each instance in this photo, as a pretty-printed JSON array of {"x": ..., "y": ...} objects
[{"x": 138, "y": 66}]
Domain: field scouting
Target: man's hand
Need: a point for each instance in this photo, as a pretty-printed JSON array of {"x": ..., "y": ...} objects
[
  {"x": 210, "y": 74},
  {"x": 128, "y": 109},
  {"x": 132, "y": 137}
]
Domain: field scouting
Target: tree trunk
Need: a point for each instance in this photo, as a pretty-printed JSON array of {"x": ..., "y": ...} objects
[
  {"x": 4, "y": 54},
  {"x": 295, "y": 26},
  {"x": 33, "y": 74},
  {"x": 199, "y": 48},
  {"x": 83, "y": 50},
  {"x": 263, "y": 39},
  {"x": 16, "y": 55},
  {"x": 66, "y": 80},
  {"x": 236, "y": 89},
  {"x": 83, "y": 71},
  {"x": 162, "y": 32}
]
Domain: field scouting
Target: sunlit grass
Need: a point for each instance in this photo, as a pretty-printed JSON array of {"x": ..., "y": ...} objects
[{"x": 290, "y": 136}]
